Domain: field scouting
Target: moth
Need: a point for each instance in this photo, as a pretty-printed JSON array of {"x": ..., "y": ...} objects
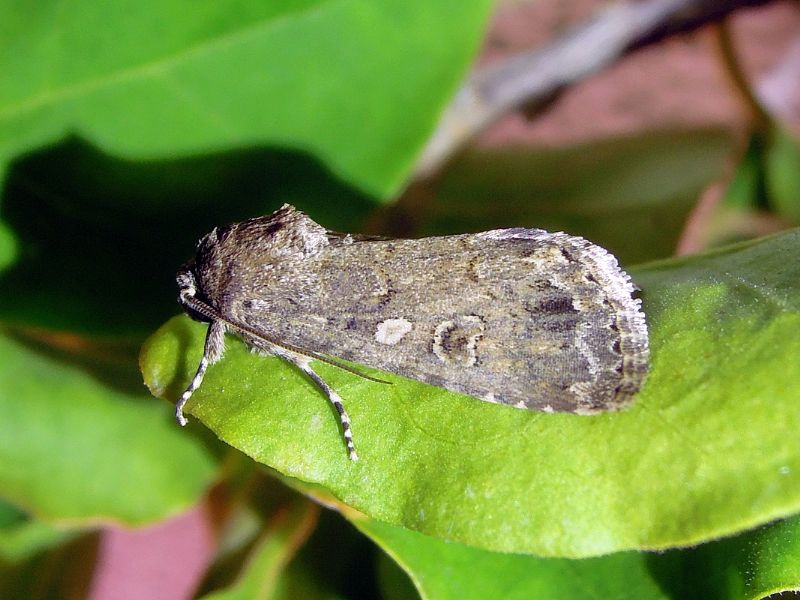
[{"x": 521, "y": 317}]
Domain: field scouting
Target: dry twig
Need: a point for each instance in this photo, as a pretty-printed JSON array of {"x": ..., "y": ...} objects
[{"x": 535, "y": 78}]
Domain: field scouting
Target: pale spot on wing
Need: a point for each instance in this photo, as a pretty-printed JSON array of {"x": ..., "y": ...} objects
[{"x": 391, "y": 331}]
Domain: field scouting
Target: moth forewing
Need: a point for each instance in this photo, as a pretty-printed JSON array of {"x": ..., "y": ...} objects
[{"x": 520, "y": 317}]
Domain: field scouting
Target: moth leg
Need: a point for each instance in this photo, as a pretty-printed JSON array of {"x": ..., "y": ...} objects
[
  {"x": 302, "y": 363},
  {"x": 212, "y": 352}
]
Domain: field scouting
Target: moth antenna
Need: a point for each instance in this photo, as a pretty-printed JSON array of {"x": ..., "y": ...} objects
[
  {"x": 339, "y": 365},
  {"x": 207, "y": 311},
  {"x": 212, "y": 352}
]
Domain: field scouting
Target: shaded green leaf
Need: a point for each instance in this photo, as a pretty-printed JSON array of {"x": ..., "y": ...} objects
[
  {"x": 602, "y": 190},
  {"x": 335, "y": 563},
  {"x": 708, "y": 448},
  {"x": 745, "y": 189},
  {"x": 357, "y": 84},
  {"x": 29, "y": 538},
  {"x": 8, "y": 246},
  {"x": 395, "y": 583},
  {"x": 762, "y": 196},
  {"x": 752, "y": 565},
  {"x": 102, "y": 238},
  {"x": 21, "y": 538},
  {"x": 782, "y": 166},
  {"x": 444, "y": 570},
  {"x": 74, "y": 448},
  {"x": 296, "y": 583}
]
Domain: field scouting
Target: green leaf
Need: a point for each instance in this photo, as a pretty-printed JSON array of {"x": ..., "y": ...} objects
[
  {"x": 73, "y": 448},
  {"x": 707, "y": 450},
  {"x": 357, "y": 84},
  {"x": 602, "y": 190},
  {"x": 336, "y": 563},
  {"x": 752, "y": 565},
  {"x": 745, "y": 188},
  {"x": 29, "y": 538},
  {"x": 298, "y": 583},
  {"x": 445, "y": 570},
  {"x": 8, "y": 246},
  {"x": 22, "y": 538},
  {"x": 782, "y": 167},
  {"x": 395, "y": 583}
]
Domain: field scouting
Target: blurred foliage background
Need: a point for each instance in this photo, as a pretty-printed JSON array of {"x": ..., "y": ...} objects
[{"x": 129, "y": 130}]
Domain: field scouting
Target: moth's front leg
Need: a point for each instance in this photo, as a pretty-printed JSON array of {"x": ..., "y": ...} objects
[{"x": 212, "y": 352}]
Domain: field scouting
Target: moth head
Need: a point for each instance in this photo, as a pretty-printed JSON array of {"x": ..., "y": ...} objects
[{"x": 187, "y": 284}]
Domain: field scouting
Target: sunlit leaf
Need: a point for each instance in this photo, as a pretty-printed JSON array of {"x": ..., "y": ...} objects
[{"x": 357, "y": 84}]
